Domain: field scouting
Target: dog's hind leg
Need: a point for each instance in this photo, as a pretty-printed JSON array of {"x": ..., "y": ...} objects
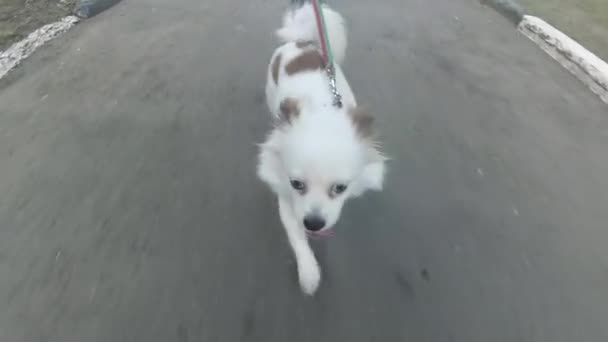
[{"x": 309, "y": 273}]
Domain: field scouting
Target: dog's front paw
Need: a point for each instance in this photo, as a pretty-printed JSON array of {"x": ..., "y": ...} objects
[{"x": 309, "y": 275}]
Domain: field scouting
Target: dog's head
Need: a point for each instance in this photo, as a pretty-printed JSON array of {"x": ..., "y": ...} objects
[{"x": 317, "y": 160}]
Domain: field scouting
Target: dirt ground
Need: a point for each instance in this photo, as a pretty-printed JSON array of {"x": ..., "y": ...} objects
[
  {"x": 584, "y": 20},
  {"x": 20, "y": 17}
]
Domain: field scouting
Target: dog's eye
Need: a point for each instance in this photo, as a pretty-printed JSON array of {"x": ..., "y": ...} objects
[
  {"x": 338, "y": 189},
  {"x": 298, "y": 185}
]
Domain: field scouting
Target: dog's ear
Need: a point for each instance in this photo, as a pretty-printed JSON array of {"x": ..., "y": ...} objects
[
  {"x": 373, "y": 173},
  {"x": 372, "y": 177},
  {"x": 289, "y": 110},
  {"x": 269, "y": 164},
  {"x": 362, "y": 121}
]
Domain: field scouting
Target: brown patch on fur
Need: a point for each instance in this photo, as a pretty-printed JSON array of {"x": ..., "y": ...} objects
[
  {"x": 290, "y": 109},
  {"x": 275, "y": 68},
  {"x": 305, "y": 43},
  {"x": 308, "y": 60},
  {"x": 362, "y": 121}
]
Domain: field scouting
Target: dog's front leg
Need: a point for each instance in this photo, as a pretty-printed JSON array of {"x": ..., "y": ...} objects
[{"x": 308, "y": 268}]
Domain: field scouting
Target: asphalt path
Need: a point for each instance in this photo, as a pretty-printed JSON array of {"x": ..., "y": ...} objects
[{"x": 130, "y": 209}]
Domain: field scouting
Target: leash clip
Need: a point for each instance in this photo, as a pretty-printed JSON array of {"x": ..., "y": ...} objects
[{"x": 337, "y": 98}]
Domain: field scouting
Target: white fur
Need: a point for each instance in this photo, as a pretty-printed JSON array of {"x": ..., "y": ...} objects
[
  {"x": 301, "y": 25},
  {"x": 320, "y": 146}
]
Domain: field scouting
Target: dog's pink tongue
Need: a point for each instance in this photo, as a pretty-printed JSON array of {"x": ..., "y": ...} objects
[{"x": 322, "y": 234}]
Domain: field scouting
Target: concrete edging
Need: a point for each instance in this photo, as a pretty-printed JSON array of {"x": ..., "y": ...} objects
[
  {"x": 582, "y": 63},
  {"x": 19, "y": 51},
  {"x": 16, "y": 53}
]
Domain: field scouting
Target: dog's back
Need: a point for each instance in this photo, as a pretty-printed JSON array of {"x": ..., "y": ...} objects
[
  {"x": 299, "y": 25},
  {"x": 296, "y": 68}
]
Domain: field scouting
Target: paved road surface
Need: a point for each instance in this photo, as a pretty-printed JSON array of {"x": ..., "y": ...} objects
[{"x": 130, "y": 210}]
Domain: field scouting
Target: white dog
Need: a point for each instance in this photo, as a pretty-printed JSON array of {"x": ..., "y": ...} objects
[{"x": 318, "y": 155}]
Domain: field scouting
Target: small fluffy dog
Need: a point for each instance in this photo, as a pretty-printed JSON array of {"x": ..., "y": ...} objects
[{"x": 318, "y": 155}]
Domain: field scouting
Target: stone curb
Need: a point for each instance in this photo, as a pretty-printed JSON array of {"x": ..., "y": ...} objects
[
  {"x": 582, "y": 63},
  {"x": 19, "y": 51},
  {"x": 15, "y": 54}
]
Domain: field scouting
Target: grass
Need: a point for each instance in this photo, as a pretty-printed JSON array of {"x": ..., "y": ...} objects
[
  {"x": 20, "y": 17},
  {"x": 586, "y": 21}
]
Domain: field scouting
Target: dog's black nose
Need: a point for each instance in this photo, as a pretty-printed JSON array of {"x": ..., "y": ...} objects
[{"x": 314, "y": 223}]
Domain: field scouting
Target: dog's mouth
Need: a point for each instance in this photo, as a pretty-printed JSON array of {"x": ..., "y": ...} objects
[{"x": 321, "y": 234}]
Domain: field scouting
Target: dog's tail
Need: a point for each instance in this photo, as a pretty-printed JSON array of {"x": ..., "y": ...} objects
[{"x": 300, "y": 24}]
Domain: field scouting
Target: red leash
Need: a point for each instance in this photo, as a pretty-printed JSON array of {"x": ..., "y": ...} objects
[
  {"x": 327, "y": 53},
  {"x": 317, "y": 8}
]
